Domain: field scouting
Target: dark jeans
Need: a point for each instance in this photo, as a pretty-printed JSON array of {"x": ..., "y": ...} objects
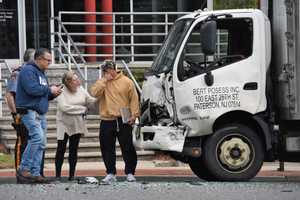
[
  {"x": 60, "y": 152},
  {"x": 21, "y": 143},
  {"x": 109, "y": 131}
]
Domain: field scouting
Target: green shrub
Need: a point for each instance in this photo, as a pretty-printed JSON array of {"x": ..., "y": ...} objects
[
  {"x": 6, "y": 161},
  {"x": 234, "y": 4},
  {"x": 138, "y": 75}
]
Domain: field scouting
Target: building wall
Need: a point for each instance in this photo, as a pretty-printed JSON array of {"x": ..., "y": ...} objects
[{"x": 38, "y": 18}]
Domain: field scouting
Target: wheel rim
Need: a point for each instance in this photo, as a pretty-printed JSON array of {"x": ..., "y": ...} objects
[{"x": 235, "y": 153}]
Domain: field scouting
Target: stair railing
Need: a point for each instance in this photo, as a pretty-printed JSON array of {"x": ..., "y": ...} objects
[
  {"x": 135, "y": 36},
  {"x": 67, "y": 48},
  {"x": 3, "y": 62}
]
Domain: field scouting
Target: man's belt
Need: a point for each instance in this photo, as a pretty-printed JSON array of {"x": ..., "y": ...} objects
[{"x": 22, "y": 111}]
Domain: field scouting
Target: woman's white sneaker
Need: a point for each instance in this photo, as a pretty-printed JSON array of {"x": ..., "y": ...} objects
[
  {"x": 109, "y": 178},
  {"x": 130, "y": 178}
]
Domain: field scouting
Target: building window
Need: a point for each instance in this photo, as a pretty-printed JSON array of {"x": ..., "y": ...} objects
[{"x": 9, "y": 41}]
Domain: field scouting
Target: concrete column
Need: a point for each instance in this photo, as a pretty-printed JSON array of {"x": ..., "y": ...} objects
[
  {"x": 36, "y": 24},
  {"x": 52, "y": 38},
  {"x": 90, "y": 6},
  {"x": 22, "y": 28},
  {"x": 155, "y": 29},
  {"x": 263, "y": 5},
  {"x": 181, "y": 6},
  {"x": 107, "y": 6},
  {"x": 210, "y": 4}
]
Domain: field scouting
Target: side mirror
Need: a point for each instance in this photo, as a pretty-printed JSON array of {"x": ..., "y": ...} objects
[{"x": 208, "y": 37}]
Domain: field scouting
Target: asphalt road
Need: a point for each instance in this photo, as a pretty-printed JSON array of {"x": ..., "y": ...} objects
[{"x": 149, "y": 188}]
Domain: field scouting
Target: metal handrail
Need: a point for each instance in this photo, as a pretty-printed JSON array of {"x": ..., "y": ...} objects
[
  {"x": 120, "y": 20},
  {"x": 3, "y": 81},
  {"x": 6, "y": 65},
  {"x": 124, "y": 23},
  {"x": 132, "y": 77},
  {"x": 82, "y": 75},
  {"x": 69, "y": 38},
  {"x": 68, "y": 51},
  {"x": 71, "y": 56},
  {"x": 61, "y": 55},
  {"x": 122, "y": 13}
]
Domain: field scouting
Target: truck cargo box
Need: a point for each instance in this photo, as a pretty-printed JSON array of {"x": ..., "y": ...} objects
[{"x": 285, "y": 59}]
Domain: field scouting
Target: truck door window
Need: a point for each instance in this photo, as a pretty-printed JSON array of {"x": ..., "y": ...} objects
[
  {"x": 164, "y": 61},
  {"x": 234, "y": 43}
]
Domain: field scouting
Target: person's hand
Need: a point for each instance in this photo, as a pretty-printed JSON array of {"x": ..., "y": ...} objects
[
  {"x": 108, "y": 76},
  {"x": 131, "y": 120},
  {"x": 56, "y": 90}
]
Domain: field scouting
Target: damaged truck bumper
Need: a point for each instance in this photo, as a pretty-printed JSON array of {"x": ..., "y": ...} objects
[{"x": 166, "y": 138}]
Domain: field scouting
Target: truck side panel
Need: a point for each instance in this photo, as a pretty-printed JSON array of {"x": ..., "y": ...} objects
[{"x": 285, "y": 60}]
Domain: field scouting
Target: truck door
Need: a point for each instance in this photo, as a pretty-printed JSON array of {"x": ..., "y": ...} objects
[{"x": 236, "y": 73}]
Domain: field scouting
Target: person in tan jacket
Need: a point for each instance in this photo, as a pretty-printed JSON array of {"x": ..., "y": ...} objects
[{"x": 116, "y": 94}]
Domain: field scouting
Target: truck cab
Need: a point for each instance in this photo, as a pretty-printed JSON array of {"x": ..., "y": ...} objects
[{"x": 205, "y": 100}]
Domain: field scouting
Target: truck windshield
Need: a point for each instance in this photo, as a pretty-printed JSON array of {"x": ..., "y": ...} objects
[{"x": 167, "y": 53}]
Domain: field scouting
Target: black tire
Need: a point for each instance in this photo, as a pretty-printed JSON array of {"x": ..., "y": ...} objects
[
  {"x": 233, "y": 153},
  {"x": 199, "y": 168}
]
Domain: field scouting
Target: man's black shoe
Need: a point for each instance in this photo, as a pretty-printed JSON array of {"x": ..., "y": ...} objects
[
  {"x": 24, "y": 177},
  {"x": 24, "y": 173},
  {"x": 24, "y": 180},
  {"x": 40, "y": 180}
]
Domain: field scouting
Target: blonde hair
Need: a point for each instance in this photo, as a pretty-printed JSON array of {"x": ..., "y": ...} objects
[{"x": 67, "y": 78}]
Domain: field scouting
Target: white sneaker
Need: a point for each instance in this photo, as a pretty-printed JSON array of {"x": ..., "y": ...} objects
[
  {"x": 130, "y": 178},
  {"x": 109, "y": 178}
]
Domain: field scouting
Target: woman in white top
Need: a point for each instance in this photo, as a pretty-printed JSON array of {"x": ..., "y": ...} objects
[{"x": 71, "y": 124}]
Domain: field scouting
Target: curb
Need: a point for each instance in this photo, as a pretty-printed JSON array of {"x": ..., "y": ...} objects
[{"x": 175, "y": 172}]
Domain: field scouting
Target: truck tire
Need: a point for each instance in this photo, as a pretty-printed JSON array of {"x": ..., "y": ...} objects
[
  {"x": 199, "y": 168},
  {"x": 233, "y": 153}
]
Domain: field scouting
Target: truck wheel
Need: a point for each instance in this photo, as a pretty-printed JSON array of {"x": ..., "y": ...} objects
[
  {"x": 199, "y": 168},
  {"x": 233, "y": 153}
]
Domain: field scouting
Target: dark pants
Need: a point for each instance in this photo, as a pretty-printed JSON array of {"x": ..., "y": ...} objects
[
  {"x": 109, "y": 131},
  {"x": 21, "y": 143},
  {"x": 60, "y": 152}
]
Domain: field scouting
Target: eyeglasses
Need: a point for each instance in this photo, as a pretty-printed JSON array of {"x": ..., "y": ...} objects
[{"x": 48, "y": 60}]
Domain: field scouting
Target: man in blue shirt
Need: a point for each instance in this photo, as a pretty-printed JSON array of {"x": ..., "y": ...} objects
[
  {"x": 32, "y": 101},
  {"x": 22, "y": 133}
]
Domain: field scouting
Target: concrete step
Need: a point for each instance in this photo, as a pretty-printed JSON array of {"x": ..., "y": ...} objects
[
  {"x": 51, "y": 138},
  {"x": 88, "y": 152},
  {"x": 6, "y": 111},
  {"x": 8, "y": 129},
  {"x": 96, "y": 156},
  {"x": 55, "y": 72},
  {"x": 51, "y": 111},
  {"x": 83, "y": 147},
  {"x": 51, "y": 119}
]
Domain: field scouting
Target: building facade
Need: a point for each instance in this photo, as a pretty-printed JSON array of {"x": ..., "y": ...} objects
[{"x": 27, "y": 23}]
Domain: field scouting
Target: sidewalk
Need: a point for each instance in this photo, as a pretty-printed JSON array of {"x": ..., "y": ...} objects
[{"x": 157, "y": 168}]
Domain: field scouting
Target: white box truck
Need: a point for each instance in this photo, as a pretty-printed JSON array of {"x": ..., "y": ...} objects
[{"x": 223, "y": 93}]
